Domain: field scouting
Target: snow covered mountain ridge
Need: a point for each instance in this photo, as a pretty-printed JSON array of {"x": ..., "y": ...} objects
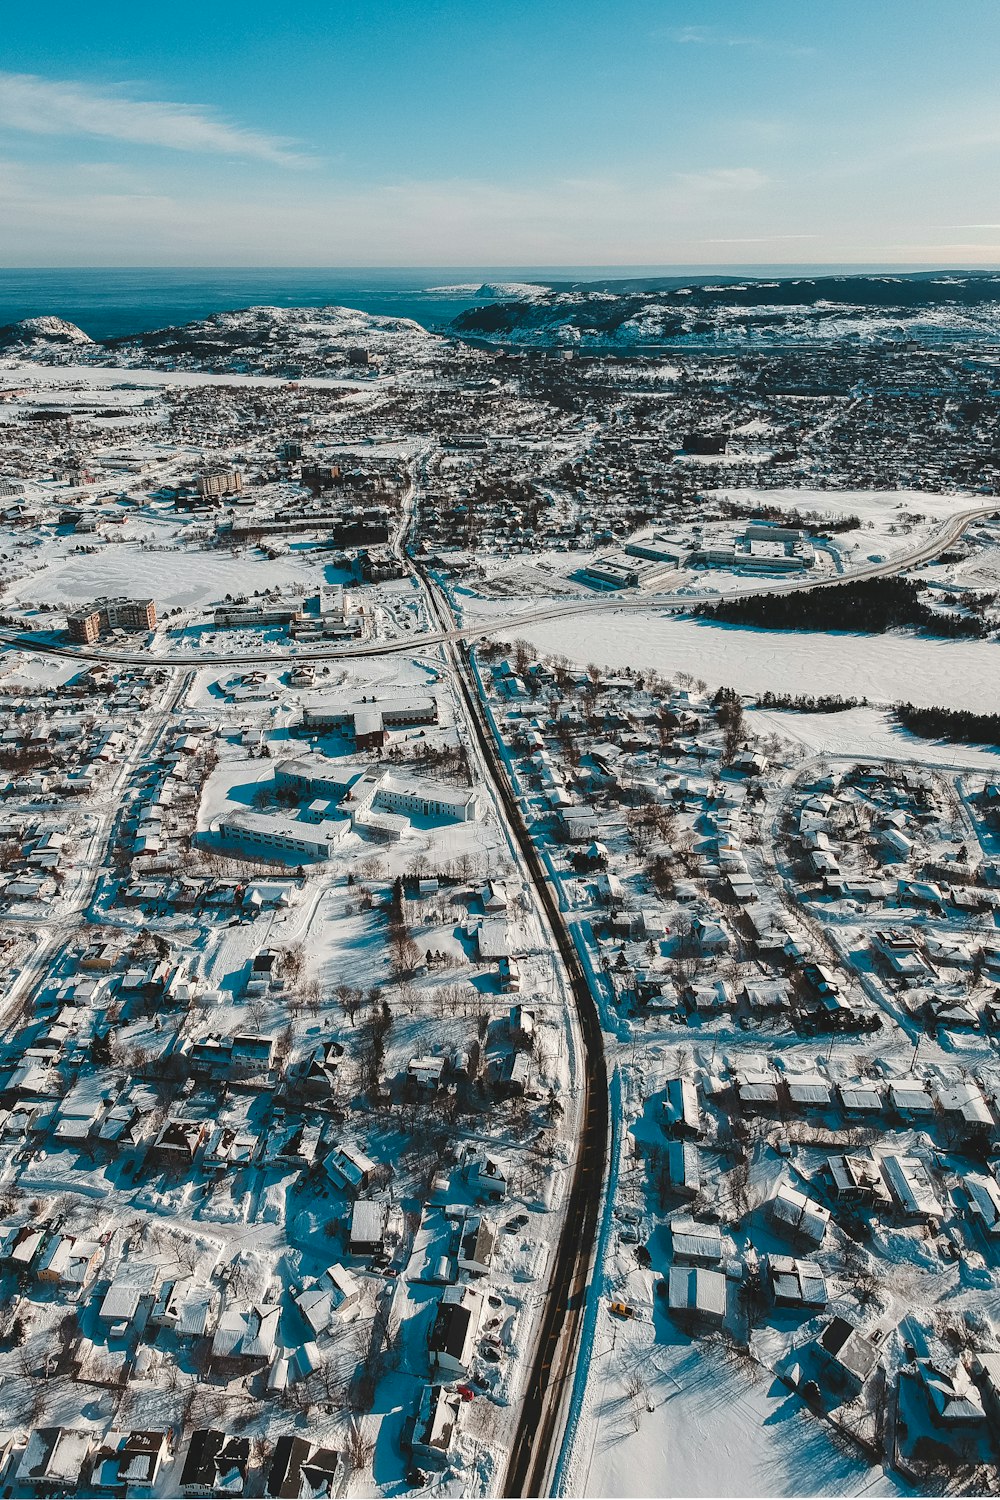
[{"x": 292, "y": 341}]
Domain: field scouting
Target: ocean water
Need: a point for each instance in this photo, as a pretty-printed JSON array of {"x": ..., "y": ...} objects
[{"x": 110, "y": 301}]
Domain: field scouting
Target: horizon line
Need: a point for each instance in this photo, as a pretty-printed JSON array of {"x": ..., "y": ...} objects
[{"x": 736, "y": 267}]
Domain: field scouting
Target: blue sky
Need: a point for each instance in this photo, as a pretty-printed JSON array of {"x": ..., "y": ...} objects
[{"x": 449, "y": 132}]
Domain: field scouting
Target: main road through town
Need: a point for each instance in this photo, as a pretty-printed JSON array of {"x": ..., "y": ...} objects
[
  {"x": 553, "y": 1362},
  {"x": 557, "y": 1343}
]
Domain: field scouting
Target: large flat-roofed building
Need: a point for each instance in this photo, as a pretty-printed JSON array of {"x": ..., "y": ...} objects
[
  {"x": 367, "y": 724},
  {"x": 282, "y": 837},
  {"x": 618, "y": 571},
  {"x": 276, "y": 612},
  {"x": 312, "y": 776},
  {"x": 615, "y": 574},
  {"x": 91, "y": 623},
  {"x": 657, "y": 548},
  {"x": 339, "y": 798}
]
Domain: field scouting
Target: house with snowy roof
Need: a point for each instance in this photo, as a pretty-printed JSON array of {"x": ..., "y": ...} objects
[
  {"x": 433, "y": 1429},
  {"x": 128, "y": 1463},
  {"x": 798, "y": 1216},
  {"x": 696, "y": 1296},
  {"x": 245, "y": 1337},
  {"x": 909, "y": 1182},
  {"x": 455, "y": 1329},
  {"x": 54, "y": 1459}
]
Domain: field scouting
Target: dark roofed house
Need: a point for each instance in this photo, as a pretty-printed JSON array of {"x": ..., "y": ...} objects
[
  {"x": 129, "y": 1462},
  {"x": 215, "y": 1464},
  {"x": 455, "y": 1329},
  {"x": 178, "y": 1142},
  {"x": 300, "y": 1468},
  {"x": 856, "y": 1179},
  {"x": 849, "y": 1355}
]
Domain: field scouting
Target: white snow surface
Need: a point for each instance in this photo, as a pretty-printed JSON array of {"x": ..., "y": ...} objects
[{"x": 891, "y": 668}]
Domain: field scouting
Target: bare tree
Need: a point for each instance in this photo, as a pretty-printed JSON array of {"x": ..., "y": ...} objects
[{"x": 359, "y": 1448}]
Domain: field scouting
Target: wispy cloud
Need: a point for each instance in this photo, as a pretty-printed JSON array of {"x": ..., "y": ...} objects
[
  {"x": 761, "y": 239},
  {"x": 723, "y": 180},
  {"x": 43, "y": 106},
  {"x": 711, "y": 36}
]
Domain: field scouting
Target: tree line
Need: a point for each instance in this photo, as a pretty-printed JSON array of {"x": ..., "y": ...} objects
[
  {"x": 949, "y": 724},
  {"x": 868, "y": 606}
]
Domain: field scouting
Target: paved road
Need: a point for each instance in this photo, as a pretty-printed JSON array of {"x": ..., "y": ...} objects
[
  {"x": 550, "y": 1379},
  {"x": 557, "y": 1347},
  {"x": 942, "y": 538}
]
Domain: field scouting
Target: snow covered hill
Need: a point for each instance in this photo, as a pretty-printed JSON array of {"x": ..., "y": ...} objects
[
  {"x": 298, "y": 341},
  {"x": 731, "y": 315},
  {"x": 37, "y": 336}
]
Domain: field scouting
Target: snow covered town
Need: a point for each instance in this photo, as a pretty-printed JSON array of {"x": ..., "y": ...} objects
[{"x": 499, "y": 890}]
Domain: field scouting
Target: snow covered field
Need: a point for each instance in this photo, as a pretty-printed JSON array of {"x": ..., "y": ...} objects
[
  {"x": 710, "y": 1430},
  {"x": 868, "y": 733},
  {"x": 878, "y": 509},
  {"x": 885, "y": 668},
  {"x": 26, "y": 373},
  {"x": 173, "y": 577}
]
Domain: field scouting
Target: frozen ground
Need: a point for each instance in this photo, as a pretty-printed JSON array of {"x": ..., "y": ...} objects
[
  {"x": 881, "y": 508},
  {"x": 172, "y": 577},
  {"x": 710, "y": 1431},
  {"x": 885, "y": 668},
  {"x": 26, "y": 373},
  {"x": 868, "y": 733}
]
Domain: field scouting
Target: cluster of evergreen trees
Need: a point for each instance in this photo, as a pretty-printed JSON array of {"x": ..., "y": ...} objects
[
  {"x": 950, "y": 724},
  {"x": 805, "y": 520},
  {"x": 808, "y": 703},
  {"x": 868, "y": 605}
]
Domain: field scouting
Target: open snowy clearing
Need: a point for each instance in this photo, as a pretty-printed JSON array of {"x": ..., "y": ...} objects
[
  {"x": 868, "y": 733},
  {"x": 877, "y": 506},
  {"x": 171, "y": 577},
  {"x": 710, "y": 1431},
  {"x": 885, "y": 668},
  {"x": 29, "y": 373}
]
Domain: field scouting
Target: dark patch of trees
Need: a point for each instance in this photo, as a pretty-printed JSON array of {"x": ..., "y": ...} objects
[
  {"x": 950, "y": 724},
  {"x": 809, "y": 520},
  {"x": 869, "y": 606},
  {"x": 729, "y": 717},
  {"x": 809, "y": 703}
]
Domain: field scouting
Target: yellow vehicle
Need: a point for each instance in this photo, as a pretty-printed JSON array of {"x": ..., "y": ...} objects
[{"x": 622, "y": 1310}]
